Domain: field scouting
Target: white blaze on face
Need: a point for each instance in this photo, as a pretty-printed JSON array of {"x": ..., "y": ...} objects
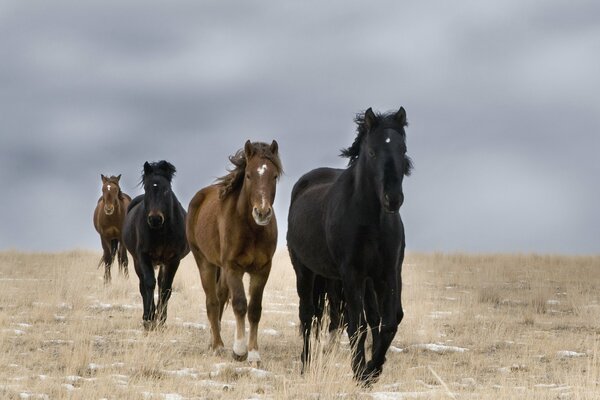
[
  {"x": 108, "y": 187},
  {"x": 261, "y": 170},
  {"x": 387, "y": 140},
  {"x": 155, "y": 185}
]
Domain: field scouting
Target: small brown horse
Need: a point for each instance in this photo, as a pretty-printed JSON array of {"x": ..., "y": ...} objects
[
  {"x": 231, "y": 229},
  {"x": 108, "y": 221}
]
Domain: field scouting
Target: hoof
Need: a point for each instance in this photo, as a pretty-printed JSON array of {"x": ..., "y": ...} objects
[
  {"x": 369, "y": 376},
  {"x": 149, "y": 325},
  {"x": 218, "y": 351},
  {"x": 254, "y": 358},
  {"x": 238, "y": 357}
]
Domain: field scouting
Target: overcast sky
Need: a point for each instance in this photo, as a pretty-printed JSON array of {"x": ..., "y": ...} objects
[{"x": 503, "y": 101}]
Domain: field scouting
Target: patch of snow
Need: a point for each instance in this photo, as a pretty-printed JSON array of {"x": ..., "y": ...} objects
[
  {"x": 23, "y": 325},
  {"x": 194, "y": 325},
  {"x": 395, "y": 349},
  {"x": 59, "y": 318},
  {"x": 439, "y": 348},
  {"x": 68, "y": 386},
  {"x": 184, "y": 372},
  {"x": 94, "y": 366},
  {"x": 101, "y": 306},
  {"x": 207, "y": 383},
  {"x": 553, "y": 302},
  {"x": 439, "y": 314},
  {"x": 270, "y": 332},
  {"x": 569, "y": 354}
]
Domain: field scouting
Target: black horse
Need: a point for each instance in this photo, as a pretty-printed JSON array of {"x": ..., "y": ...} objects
[
  {"x": 344, "y": 224},
  {"x": 154, "y": 234}
]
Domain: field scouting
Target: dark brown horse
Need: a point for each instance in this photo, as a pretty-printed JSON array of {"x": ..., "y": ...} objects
[
  {"x": 108, "y": 221},
  {"x": 231, "y": 229}
]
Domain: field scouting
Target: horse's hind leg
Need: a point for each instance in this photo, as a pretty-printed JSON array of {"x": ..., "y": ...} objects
[
  {"x": 123, "y": 260},
  {"x": 107, "y": 258},
  {"x": 165, "y": 283},
  {"x": 305, "y": 279},
  {"x": 208, "y": 277},
  {"x": 240, "y": 308},
  {"x": 257, "y": 287}
]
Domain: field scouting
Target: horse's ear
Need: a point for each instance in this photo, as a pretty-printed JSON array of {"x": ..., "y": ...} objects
[
  {"x": 274, "y": 147},
  {"x": 370, "y": 119},
  {"x": 103, "y": 178},
  {"x": 118, "y": 177},
  {"x": 248, "y": 149},
  {"x": 400, "y": 116},
  {"x": 147, "y": 168}
]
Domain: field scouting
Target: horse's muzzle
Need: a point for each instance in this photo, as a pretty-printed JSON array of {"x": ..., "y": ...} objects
[
  {"x": 392, "y": 203},
  {"x": 262, "y": 217},
  {"x": 156, "y": 221},
  {"x": 109, "y": 210}
]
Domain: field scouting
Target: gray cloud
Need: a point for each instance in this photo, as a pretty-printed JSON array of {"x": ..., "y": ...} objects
[{"x": 501, "y": 99}]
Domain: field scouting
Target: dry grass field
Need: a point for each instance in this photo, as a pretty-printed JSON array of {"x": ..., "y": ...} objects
[{"x": 476, "y": 326}]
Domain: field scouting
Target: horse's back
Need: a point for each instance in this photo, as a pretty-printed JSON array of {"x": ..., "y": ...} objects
[{"x": 306, "y": 238}]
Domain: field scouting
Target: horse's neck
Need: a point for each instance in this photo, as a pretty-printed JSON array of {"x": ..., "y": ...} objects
[
  {"x": 242, "y": 208},
  {"x": 364, "y": 195}
]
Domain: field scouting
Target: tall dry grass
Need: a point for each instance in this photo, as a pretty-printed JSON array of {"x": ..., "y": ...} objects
[{"x": 476, "y": 326}]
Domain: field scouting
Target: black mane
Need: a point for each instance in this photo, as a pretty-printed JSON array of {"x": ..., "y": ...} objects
[
  {"x": 161, "y": 168},
  {"x": 353, "y": 151}
]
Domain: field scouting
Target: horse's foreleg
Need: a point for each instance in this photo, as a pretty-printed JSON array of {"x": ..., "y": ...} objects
[
  {"x": 208, "y": 277},
  {"x": 145, "y": 272},
  {"x": 240, "y": 308},
  {"x": 257, "y": 287},
  {"x": 354, "y": 288},
  {"x": 390, "y": 313},
  {"x": 372, "y": 314},
  {"x": 165, "y": 283}
]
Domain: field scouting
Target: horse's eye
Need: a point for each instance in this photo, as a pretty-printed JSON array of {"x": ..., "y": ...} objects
[
  {"x": 275, "y": 177},
  {"x": 247, "y": 176},
  {"x": 371, "y": 153}
]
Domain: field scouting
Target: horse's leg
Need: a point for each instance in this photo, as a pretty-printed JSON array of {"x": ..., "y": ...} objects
[
  {"x": 123, "y": 260},
  {"x": 208, "y": 277},
  {"x": 165, "y": 283},
  {"x": 390, "y": 305},
  {"x": 145, "y": 271},
  {"x": 354, "y": 288},
  {"x": 222, "y": 292},
  {"x": 240, "y": 308},
  {"x": 372, "y": 314},
  {"x": 305, "y": 280},
  {"x": 335, "y": 298},
  {"x": 107, "y": 258},
  {"x": 257, "y": 287}
]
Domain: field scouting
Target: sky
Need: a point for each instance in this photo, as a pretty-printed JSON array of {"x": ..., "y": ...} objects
[{"x": 502, "y": 99}]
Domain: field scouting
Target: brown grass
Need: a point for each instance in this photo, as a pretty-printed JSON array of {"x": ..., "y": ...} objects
[{"x": 64, "y": 335}]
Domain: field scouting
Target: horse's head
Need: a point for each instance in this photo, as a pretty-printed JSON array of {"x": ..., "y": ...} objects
[
  {"x": 158, "y": 197},
  {"x": 262, "y": 170},
  {"x": 380, "y": 148},
  {"x": 110, "y": 193}
]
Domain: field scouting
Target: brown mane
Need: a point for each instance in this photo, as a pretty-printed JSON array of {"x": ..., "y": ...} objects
[{"x": 235, "y": 178}]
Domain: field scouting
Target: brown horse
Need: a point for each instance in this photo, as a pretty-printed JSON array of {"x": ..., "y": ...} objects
[
  {"x": 108, "y": 221},
  {"x": 231, "y": 229}
]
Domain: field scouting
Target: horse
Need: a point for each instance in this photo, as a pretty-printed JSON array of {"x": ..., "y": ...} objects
[
  {"x": 108, "y": 220},
  {"x": 232, "y": 230},
  {"x": 344, "y": 224},
  {"x": 154, "y": 234}
]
